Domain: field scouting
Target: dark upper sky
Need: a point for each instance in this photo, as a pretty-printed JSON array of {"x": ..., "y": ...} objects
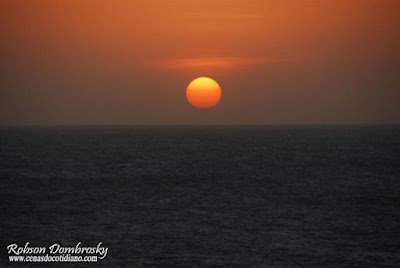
[{"x": 129, "y": 62}]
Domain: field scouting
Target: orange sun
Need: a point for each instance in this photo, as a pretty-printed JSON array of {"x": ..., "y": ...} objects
[{"x": 203, "y": 93}]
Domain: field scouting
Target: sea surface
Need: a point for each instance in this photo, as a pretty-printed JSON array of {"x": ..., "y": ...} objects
[{"x": 205, "y": 196}]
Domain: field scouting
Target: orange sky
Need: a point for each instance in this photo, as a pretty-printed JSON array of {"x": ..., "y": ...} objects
[{"x": 128, "y": 62}]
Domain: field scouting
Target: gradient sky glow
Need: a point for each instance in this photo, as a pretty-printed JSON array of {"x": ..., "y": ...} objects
[{"x": 129, "y": 62}]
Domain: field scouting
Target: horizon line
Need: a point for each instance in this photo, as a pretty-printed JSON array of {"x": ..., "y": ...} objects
[{"x": 201, "y": 124}]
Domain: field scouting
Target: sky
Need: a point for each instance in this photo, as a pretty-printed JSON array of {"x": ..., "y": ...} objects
[{"x": 129, "y": 62}]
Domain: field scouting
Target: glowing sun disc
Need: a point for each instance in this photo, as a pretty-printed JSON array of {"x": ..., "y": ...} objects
[{"x": 203, "y": 93}]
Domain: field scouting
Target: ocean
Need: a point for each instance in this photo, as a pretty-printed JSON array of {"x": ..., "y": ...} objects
[{"x": 205, "y": 196}]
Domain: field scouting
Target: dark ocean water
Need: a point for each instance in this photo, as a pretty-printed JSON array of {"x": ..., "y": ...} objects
[{"x": 206, "y": 196}]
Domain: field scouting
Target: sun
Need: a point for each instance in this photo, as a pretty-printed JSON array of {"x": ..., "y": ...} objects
[{"x": 203, "y": 93}]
